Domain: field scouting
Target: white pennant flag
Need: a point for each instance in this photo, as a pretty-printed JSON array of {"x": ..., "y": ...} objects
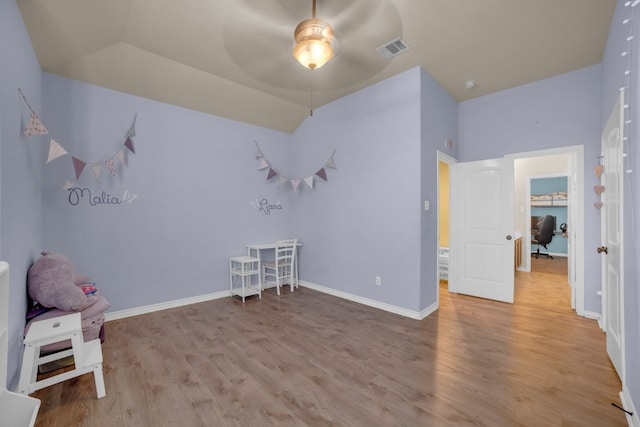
[
  {"x": 120, "y": 156},
  {"x": 96, "y": 170},
  {"x": 263, "y": 164},
  {"x": 283, "y": 180},
  {"x": 309, "y": 181},
  {"x": 67, "y": 185},
  {"x": 55, "y": 150}
]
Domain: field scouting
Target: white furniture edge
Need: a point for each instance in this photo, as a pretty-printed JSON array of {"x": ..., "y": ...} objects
[{"x": 16, "y": 410}]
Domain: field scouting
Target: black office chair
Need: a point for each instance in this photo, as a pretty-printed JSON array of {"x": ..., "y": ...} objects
[{"x": 543, "y": 234}]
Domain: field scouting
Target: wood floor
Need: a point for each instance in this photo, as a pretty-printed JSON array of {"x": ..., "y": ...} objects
[{"x": 309, "y": 359}]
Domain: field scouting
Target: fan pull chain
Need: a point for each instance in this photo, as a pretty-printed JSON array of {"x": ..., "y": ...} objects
[{"x": 311, "y": 97}]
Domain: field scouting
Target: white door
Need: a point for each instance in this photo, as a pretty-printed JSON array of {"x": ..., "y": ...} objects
[
  {"x": 611, "y": 236},
  {"x": 482, "y": 254}
]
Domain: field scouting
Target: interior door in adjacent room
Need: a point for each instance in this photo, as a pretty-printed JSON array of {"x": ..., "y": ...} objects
[{"x": 482, "y": 253}]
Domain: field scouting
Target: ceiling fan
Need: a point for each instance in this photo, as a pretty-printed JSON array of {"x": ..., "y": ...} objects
[{"x": 259, "y": 38}]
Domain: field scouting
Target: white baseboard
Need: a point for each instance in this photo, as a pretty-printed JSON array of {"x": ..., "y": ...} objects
[
  {"x": 121, "y": 314},
  {"x": 627, "y": 403},
  {"x": 418, "y": 315},
  {"x": 595, "y": 316}
]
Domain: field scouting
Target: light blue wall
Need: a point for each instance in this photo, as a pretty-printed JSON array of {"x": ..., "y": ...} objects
[
  {"x": 20, "y": 171},
  {"x": 365, "y": 221},
  {"x": 556, "y": 112},
  {"x": 614, "y": 78},
  {"x": 194, "y": 175},
  {"x": 439, "y": 122}
]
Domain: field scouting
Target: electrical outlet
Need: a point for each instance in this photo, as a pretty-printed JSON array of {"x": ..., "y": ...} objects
[{"x": 378, "y": 281}]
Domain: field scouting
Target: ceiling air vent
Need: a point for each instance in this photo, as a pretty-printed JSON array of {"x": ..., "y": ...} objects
[{"x": 393, "y": 48}]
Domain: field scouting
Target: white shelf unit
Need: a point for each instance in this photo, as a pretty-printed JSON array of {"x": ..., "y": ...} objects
[
  {"x": 16, "y": 410},
  {"x": 244, "y": 276},
  {"x": 443, "y": 263}
]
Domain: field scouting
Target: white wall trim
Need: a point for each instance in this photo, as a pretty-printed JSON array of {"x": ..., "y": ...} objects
[
  {"x": 593, "y": 315},
  {"x": 418, "y": 315},
  {"x": 121, "y": 314},
  {"x": 627, "y": 403}
]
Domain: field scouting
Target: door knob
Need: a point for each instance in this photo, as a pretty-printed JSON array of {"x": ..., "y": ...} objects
[
  {"x": 602, "y": 249},
  {"x": 508, "y": 236}
]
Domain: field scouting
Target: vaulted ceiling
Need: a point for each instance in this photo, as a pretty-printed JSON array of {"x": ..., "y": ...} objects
[{"x": 232, "y": 58}]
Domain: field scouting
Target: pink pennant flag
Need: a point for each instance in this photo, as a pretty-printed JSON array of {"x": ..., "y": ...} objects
[
  {"x": 55, "y": 150},
  {"x": 322, "y": 174},
  {"x": 263, "y": 165},
  {"x": 272, "y": 173},
  {"x": 111, "y": 165},
  {"x": 129, "y": 144},
  {"x": 96, "y": 170},
  {"x": 78, "y": 165},
  {"x": 295, "y": 183},
  {"x": 309, "y": 181},
  {"x": 120, "y": 156},
  {"x": 35, "y": 126}
]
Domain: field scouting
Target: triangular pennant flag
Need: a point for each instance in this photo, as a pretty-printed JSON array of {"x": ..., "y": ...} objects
[
  {"x": 129, "y": 144},
  {"x": 55, "y": 150},
  {"x": 132, "y": 130},
  {"x": 35, "y": 126},
  {"x": 78, "y": 165},
  {"x": 259, "y": 155},
  {"x": 283, "y": 180},
  {"x": 120, "y": 156},
  {"x": 322, "y": 174},
  {"x": 272, "y": 173},
  {"x": 96, "y": 170},
  {"x": 67, "y": 185},
  {"x": 295, "y": 183},
  {"x": 309, "y": 181},
  {"x": 330, "y": 164},
  {"x": 111, "y": 165},
  {"x": 263, "y": 165}
]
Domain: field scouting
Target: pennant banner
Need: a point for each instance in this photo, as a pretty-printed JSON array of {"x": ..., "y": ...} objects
[
  {"x": 96, "y": 170},
  {"x": 78, "y": 166},
  {"x": 294, "y": 182},
  {"x": 35, "y": 126},
  {"x": 56, "y": 150}
]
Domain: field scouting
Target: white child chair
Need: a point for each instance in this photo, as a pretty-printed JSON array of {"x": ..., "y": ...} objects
[{"x": 283, "y": 269}]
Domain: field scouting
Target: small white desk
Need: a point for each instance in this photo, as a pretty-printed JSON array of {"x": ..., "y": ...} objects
[{"x": 256, "y": 249}]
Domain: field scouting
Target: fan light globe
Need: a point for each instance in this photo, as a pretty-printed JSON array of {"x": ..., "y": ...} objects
[{"x": 313, "y": 38}]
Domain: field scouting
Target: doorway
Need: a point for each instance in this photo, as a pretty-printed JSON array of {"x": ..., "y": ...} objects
[
  {"x": 573, "y": 168},
  {"x": 444, "y": 193}
]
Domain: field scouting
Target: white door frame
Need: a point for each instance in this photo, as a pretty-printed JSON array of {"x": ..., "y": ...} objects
[
  {"x": 442, "y": 157},
  {"x": 575, "y": 172}
]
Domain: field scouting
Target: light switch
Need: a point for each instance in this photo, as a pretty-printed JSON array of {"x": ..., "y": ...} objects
[{"x": 426, "y": 205}]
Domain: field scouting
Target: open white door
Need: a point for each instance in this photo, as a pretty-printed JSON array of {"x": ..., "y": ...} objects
[
  {"x": 482, "y": 254},
  {"x": 611, "y": 236}
]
